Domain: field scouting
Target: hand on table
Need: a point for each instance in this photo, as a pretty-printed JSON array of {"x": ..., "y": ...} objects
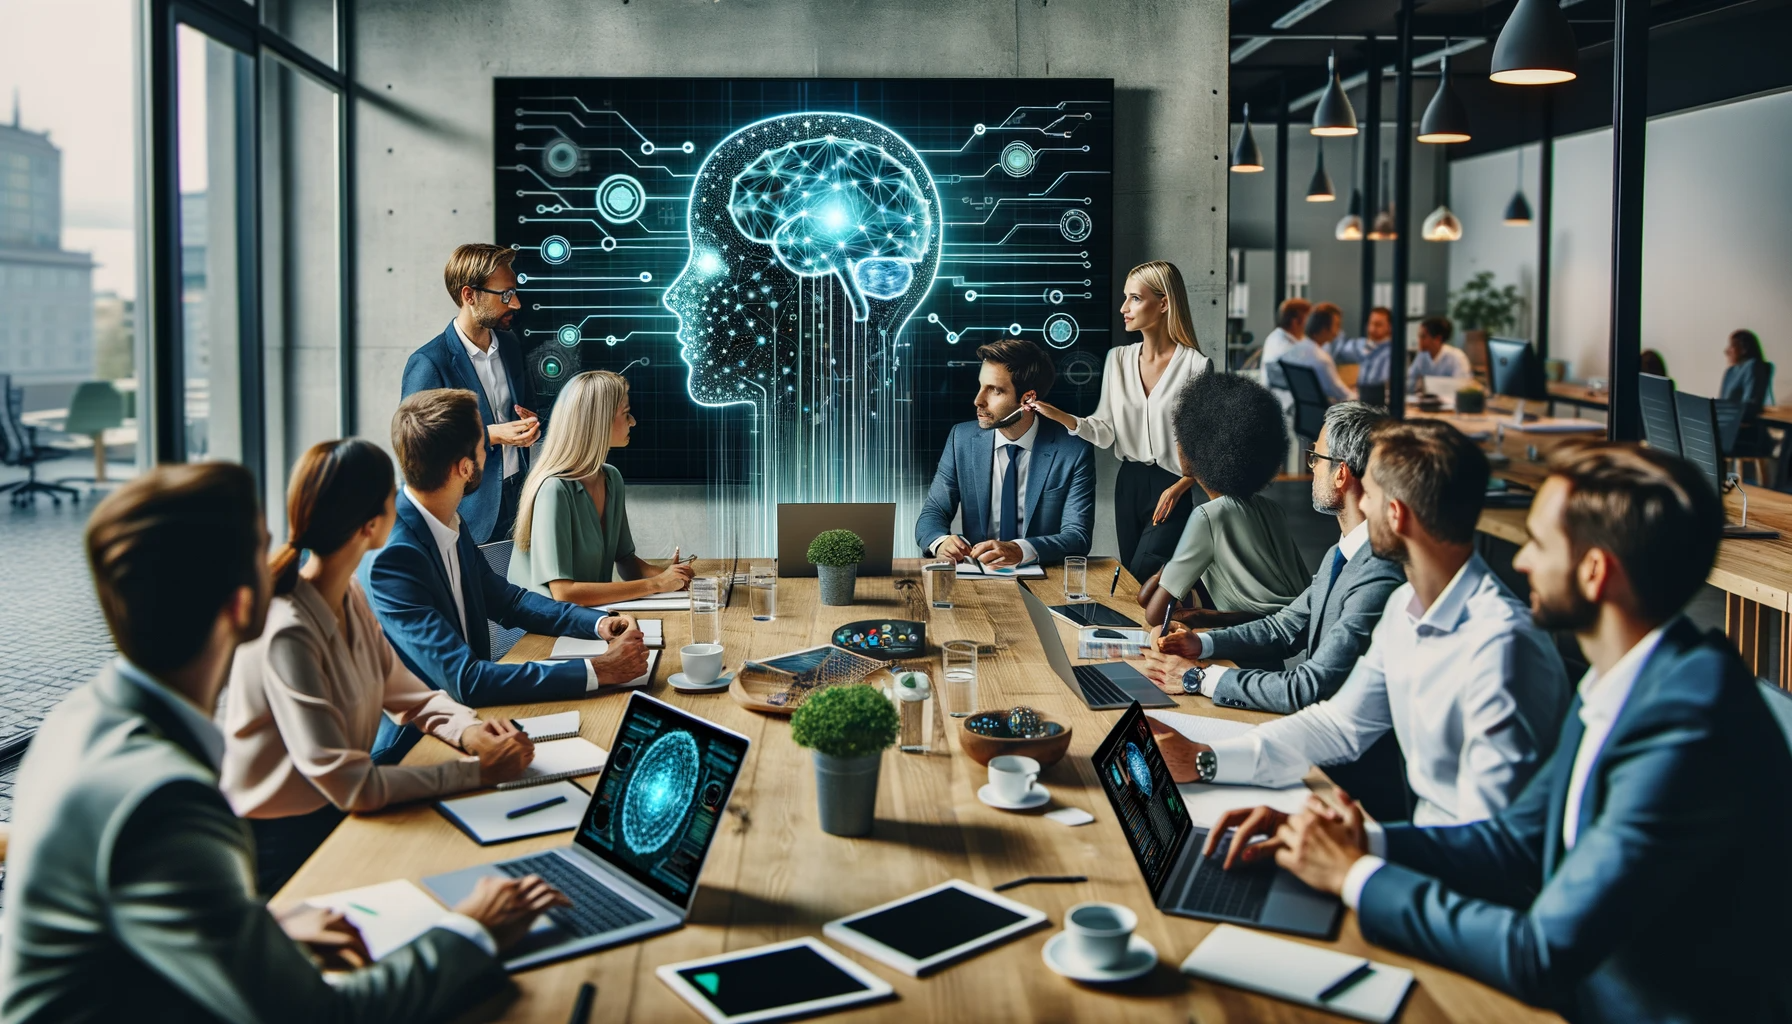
[
  {"x": 676, "y": 577},
  {"x": 1178, "y": 750},
  {"x": 998, "y": 553},
  {"x": 615, "y": 624},
  {"x": 328, "y": 935},
  {"x": 506, "y": 907},
  {"x": 626, "y": 659},
  {"x": 954, "y": 549},
  {"x": 1320, "y": 844},
  {"x": 1177, "y": 639},
  {"x": 1166, "y": 669},
  {"x": 503, "y": 750}
]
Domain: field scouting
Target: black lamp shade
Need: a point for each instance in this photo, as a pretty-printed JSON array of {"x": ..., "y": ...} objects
[
  {"x": 1320, "y": 190},
  {"x": 1518, "y": 211},
  {"x": 1247, "y": 158},
  {"x": 1334, "y": 114},
  {"x": 1446, "y": 119},
  {"x": 1536, "y": 47}
]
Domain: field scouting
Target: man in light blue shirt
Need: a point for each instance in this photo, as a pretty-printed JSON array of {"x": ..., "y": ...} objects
[
  {"x": 1437, "y": 358},
  {"x": 1371, "y": 350},
  {"x": 1322, "y": 326}
]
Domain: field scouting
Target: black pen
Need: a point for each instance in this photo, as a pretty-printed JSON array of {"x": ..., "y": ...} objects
[
  {"x": 1347, "y": 982},
  {"x": 581, "y": 1007},
  {"x": 519, "y": 727},
  {"x": 532, "y": 808},
  {"x": 1041, "y": 880},
  {"x": 1116, "y": 584}
]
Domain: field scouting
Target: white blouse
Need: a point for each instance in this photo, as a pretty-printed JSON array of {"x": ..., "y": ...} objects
[{"x": 1138, "y": 426}]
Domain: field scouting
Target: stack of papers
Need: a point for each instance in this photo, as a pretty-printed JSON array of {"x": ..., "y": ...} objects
[
  {"x": 485, "y": 818},
  {"x": 971, "y": 569},
  {"x": 1298, "y": 973},
  {"x": 568, "y": 647},
  {"x": 1092, "y": 646},
  {"x": 388, "y": 915},
  {"x": 664, "y": 603}
]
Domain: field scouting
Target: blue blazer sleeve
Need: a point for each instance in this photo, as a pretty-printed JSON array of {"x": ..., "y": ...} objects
[
  {"x": 513, "y": 607},
  {"x": 942, "y": 498},
  {"x": 1076, "y": 529},
  {"x": 401, "y": 586},
  {"x": 1344, "y": 640}
]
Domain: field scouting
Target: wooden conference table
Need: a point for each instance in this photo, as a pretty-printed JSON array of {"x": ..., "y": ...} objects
[{"x": 774, "y": 875}]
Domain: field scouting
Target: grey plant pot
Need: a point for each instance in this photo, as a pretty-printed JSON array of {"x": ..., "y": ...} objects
[
  {"x": 846, "y": 790},
  {"x": 837, "y": 583}
]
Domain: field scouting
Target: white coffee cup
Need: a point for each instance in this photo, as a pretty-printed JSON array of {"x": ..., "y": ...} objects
[
  {"x": 702, "y": 662},
  {"x": 1099, "y": 933},
  {"x": 1012, "y": 776}
]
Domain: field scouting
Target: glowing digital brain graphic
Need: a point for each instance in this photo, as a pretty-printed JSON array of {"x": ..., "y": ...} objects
[{"x": 659, "y": 793}]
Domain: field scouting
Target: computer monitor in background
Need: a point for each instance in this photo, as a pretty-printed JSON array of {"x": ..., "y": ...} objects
[
  {"x": 1514, "y": 369},
  {"x": 1661, "y": 427},
  {"x": 1696, "y": 418}
]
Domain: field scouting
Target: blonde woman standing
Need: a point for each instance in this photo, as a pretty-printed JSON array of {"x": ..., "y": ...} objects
[
  {"x": 572, "y": 536},
  {"x": 1152, "y": 498}
]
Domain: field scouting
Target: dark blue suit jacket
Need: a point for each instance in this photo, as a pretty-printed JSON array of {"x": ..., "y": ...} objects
[
  {"x": 1060, "y": 500},
  {"x": 408, "y": 588},
  {"x": 1675, "y": 903},
  {"x": 442, "y": 363}
]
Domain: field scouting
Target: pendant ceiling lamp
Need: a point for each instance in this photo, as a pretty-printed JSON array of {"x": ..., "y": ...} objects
[
  {"x": 1382, "y": 230},
  {"x": 1350, "y": 226},
  {"x": 1334, "y": 114},
  {"x": 1536, "y": 47},
  {"x": 1442, "y": 224},
  {"x": 1446, "y": 119},
  {"x": 1246, "y": 157},
  {"x": 1518, "y": 211},
  {"x": 1320, "y": 189}
]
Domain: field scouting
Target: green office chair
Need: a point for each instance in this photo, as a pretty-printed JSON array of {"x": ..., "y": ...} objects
[{"x": 96, "y": 408}]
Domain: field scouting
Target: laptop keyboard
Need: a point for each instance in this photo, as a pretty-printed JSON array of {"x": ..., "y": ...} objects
[
  {"x": 1239, "y": 894},
  {"x": 595, "y": 907},
  {"x": 1097, "y": 688}
]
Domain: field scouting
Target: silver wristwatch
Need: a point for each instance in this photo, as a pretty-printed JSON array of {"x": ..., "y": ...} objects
[
  {"x": 1193, "y": 678},
  {"x": 1207, "y": 765}
]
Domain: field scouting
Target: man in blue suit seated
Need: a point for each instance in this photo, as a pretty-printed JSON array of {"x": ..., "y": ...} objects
[
  {"x": 1025, "y": 486},
  {"x": 476, "y": 351},
  {"x": 433, "y": 591},
  {"x": 1639, "y": 876}
]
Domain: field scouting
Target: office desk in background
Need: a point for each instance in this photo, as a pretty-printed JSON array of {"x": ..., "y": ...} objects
[{"x": 773, "y": 874}]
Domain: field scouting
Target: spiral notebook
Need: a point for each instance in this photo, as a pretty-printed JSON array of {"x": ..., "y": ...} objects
[
  {"x": 560, "y": 759},
  {"x": 542, "y": 728}
]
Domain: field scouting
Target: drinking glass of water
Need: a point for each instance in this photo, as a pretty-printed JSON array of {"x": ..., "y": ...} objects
[
  {"x": 958, "y": 675},
  {"x": 1076, "y": 579},
  {"x": 763, "y": 581},
  {"x": 706, "y": 610}
]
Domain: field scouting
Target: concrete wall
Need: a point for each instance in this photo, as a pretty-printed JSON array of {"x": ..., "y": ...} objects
[
  {"x": 425, "y": 160},
  {"x": 1716, "y": 255}
]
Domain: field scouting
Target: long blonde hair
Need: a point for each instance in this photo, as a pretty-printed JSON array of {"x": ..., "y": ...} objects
[
  {"x": 1165, "y": 280},
  {"x": 578, "y": 441}
]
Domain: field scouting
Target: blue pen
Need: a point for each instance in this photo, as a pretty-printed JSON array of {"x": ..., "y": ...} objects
[{"x": 532, "y": 808}]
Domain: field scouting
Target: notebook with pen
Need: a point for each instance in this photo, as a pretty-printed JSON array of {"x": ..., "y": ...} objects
[
  {"x": 1308, "y": 975},
  {"x": 971, "y": 569},
  {"x": 507, "y": 814},
  {"x": 560, "y": 759},
  {"x": 541, "y": 728}
]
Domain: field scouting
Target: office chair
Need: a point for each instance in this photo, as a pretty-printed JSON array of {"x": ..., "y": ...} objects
[
  {"x": 497, "y": 555},
  {"x": 19, "y": 447},
  {"x": 1744, "y": 440},
  {"x": 96, "y": 408},
  {"x": 1309, "y": 399}
]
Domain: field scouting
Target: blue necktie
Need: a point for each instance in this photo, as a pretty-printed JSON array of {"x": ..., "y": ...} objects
[
  {"x": 1008, "y": 527},
  {"x": 1313, "y": 629},
  {"x": 1337, "y": 564}
]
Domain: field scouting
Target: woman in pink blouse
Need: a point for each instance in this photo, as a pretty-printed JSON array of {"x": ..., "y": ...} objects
[{"x": 305, "y": 699}]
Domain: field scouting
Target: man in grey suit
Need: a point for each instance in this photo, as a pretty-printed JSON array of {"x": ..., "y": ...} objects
[
  {"x": 1025, "y": 486},
  {"x": 1350, "y": 590},
  {"x": 131, "y": 885}
]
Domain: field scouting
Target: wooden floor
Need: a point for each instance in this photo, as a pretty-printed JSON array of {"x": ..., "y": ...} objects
[{"x": 774, "y": 875}]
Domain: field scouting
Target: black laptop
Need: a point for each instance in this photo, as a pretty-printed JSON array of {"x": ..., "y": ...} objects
[
  {"x": 1168, "y": 847},
  {"x": 1103, "y": 687}
]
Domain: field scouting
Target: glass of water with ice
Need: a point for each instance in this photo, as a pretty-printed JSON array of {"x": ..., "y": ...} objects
[{"x": 763, "y": 581}]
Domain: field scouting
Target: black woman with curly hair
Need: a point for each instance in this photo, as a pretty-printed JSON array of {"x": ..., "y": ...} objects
[{"x": 1236, "y": 555}]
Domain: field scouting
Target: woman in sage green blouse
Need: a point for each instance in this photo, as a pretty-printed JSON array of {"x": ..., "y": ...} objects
[{"x": 572, "y": 538}]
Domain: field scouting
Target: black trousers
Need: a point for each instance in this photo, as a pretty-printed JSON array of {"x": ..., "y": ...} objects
[
  {"x": 508, "y": 500},
  {"x": 1144, "y": 547},
  {"x": 283, "y": 844}
]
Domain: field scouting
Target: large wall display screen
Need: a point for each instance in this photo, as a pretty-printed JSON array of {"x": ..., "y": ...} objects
[{"x": 794, "y": 275}]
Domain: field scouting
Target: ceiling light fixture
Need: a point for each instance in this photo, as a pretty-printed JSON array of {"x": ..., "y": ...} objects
[
  {"x": 1446, "y": 119},
  {"x": 1334, "y": 115},
  {"x": 1536, "y": 47},
  {"x": 1382, "y": 230},
  {"x": 1442, "y": 224},
  {"x": 1320, "y": 189},
  {"x": 1350, "y": 226},
  {"x": 1518, "y": 211},
  {"x": 1247, "y": 158}
]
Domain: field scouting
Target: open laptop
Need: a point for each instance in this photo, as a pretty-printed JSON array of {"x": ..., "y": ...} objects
[
  {"x": 798, "y": 523},
  {"x": 1167, "y": 846},
  {"x": 633, "y": 866},
  {"x": 1103, "y": 687}
]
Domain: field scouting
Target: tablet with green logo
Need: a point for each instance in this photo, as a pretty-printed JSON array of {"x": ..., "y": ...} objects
[{"x": 798, "y": 978}]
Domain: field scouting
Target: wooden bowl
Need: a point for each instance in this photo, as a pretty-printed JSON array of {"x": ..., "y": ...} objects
[{"x": 1047, "y": 750}]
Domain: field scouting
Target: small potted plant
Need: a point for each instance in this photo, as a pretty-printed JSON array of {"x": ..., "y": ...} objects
[
  {"x": 836, "y": 555},
  {"x": 1479, "y": 309},
  {"x": 1470, "y": 399},
  {"x": 848, "y": 729}
]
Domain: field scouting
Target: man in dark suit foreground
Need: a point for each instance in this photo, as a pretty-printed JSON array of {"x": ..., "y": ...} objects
[
  {"x": 130, "y": 889},
  {"x": 1639, "y": 876}
]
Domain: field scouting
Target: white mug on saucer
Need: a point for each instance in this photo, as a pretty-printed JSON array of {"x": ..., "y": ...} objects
[
  {"x": 1012, "y": 777},
  {"x": 1100, "y": 932},
  {"x": 702, "y": 663}
]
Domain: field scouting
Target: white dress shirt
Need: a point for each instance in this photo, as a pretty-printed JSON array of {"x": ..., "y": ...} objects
[
  {"x": 1350, "y": 544},
  {"x": 1470, "y": 686},
  {"x": 1140, "y": 427},
  {"x": 448, "y": 544},
  {"x": 1450, "y": 361},
  {"x": 1309, "y": 353},
  {"x": 998, "y": 471},
  {"x": 1276, "y": 346},
  {"x": 496, "y": 383}
]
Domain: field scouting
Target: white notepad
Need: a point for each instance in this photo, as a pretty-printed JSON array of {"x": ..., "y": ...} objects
[
  {"x": 483, "y": 818},
  {"x": 653, "y": 635},
  {"x": 388, "y": 915},
  {"x": 1207, "y": 802},
  {"x": 1297, "y": 972},
  {"x": 541, "y": 728},
  {"x": 560, "y": 759},
  {"x": 653, "y": 660},
  {"x": 970, "y": 569},
  {"x": 667, "y": 603},
  {"x": 1201, "y": 728}
]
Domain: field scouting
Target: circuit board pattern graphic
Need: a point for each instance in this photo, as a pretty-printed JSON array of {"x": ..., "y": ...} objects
[{"x": 795, "y": 274}]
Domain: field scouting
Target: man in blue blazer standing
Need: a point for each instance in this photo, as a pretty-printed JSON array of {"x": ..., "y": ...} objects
[
  {"x": 1025, "y": 486},
  {"x": 476, "y": 351},
  {"x": 433, "y": 591},
  {"x": 1639, "y": 876}
]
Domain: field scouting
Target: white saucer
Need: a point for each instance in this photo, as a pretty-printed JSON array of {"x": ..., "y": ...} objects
[
  {"x": 1141, "y": 958},
  {"x": 1038, "y": 796},
  {"x": 683, "y": 685}
]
